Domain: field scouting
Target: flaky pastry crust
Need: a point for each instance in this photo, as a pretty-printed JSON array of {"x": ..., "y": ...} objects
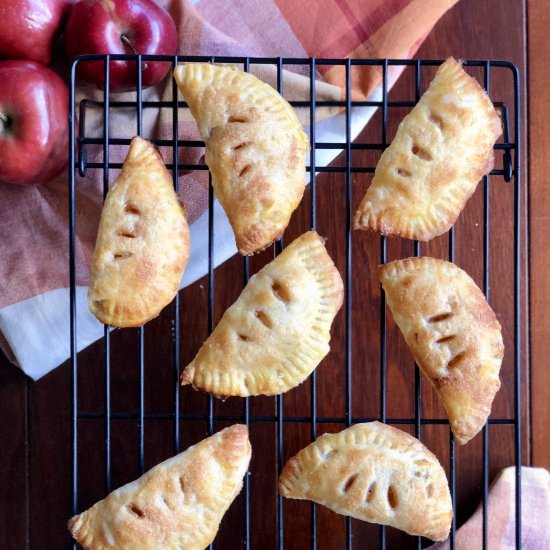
[
  {"x": 453, "y": 334},
  {"x": 440, "y": 152},
  {"x": 255, "y": 149},
  {"x": 277, "y": 331},
  {"x": 375, "y": 473},
  {"x": 142, "y": 244},
  {"x": 177, "y": 504}
]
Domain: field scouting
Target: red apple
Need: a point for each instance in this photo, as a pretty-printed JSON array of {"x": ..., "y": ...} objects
[
  {"x": 28, "y": 28},
  {"x": 33, "y": 123},
  {"x": 120, "y": 27}
]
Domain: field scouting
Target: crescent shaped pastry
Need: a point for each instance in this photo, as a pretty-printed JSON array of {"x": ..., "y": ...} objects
[
  {"x": 374, "y": 473},
  {"x": 255, "y": 149},
  {"x": 277, "y": 331},
  {"x": 142, "y": 243},
  {"x": 440, "y": 152},
  {"x": 177, "y": 504},
  {"x": 453, "y": 334}
]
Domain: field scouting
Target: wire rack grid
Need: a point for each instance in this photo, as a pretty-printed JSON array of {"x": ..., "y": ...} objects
[{"x": 509, "y": 172}]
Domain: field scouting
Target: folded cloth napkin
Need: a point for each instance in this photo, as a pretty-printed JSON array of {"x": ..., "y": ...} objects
[
  {"x": 535, "y": 514},
  {"x": 34, "y": 304}
]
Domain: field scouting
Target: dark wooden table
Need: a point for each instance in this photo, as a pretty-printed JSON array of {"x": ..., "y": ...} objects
[{"x": 36, "y": 416}]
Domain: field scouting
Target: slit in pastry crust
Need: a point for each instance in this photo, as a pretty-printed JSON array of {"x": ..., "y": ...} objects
[
  {"x": 453, "y": 334},
  {"x": 376, "y": 473},
  {"x": 142, "y": 244},
  {"x": 177, "y": 504},
  {"x": 277, "y": 331},
  {"x": 255, "y": 149},
  {"x": 440, "y": 152}
]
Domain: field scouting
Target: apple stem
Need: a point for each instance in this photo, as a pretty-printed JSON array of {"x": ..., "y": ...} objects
[
  {"x": 125, "y": 40},
  {"x": 5, "y": 122}
]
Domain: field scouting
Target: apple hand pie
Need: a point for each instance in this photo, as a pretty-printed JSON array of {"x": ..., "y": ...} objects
[
  {"x": 277, "y": 331},
  {"x": 374, "y": 473},
  {"x": 177, "y": 504},
  {"x": 440, "y": 152},
  {"x": 142, "y": 243},
  {"x": 255, "y": 149},
  {"x": 453, "y": 334}
]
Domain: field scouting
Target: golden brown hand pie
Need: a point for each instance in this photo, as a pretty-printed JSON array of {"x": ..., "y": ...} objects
[
  {"x": 255, "y": 149},
  {"x": 278, "y": 330},
  {"x": 375, "y": 473},
  {"x": 453, "y": 334},
  {"x": 177, "y": 504},
  {"x": 440, "y": 152},
  {"x": 142, "y": 243}
]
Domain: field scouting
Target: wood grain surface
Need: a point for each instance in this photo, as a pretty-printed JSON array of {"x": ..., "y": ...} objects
[
  {"x": 34, "y": 508},
  {"x": 539, "y": 174}
]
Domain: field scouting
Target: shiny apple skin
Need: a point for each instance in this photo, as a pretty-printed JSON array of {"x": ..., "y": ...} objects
[
  {"x": 33, "y": 149},
  {"x": 96, "y": 27},
  {"x": 29, "y": 27}
]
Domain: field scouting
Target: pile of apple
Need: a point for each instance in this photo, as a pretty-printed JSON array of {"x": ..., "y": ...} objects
[{"x": 34, "y": 99}]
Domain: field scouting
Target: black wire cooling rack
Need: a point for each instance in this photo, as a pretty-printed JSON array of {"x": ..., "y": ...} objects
[{"x": 507, "y": 171}]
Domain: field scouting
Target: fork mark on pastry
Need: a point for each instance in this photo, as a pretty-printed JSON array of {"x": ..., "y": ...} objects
[
  {"x": 403, "y": 173},
  {"x": 245, "y": 170},
  {"x": 456, "y": 359},
  {"x": 446, "y": 339},
  {"x": 392, "y": 497},
  {"x": 437, "y": 120},
  {"x": 280, "y": 292},
  {"x": 264, "y": 318},
  {"x": 238, "y": 119},
  {"x": 122, "y": 255},
  {"x": 136, "y": 510},
  {"x": 128, "y": 234},
  {"x": 421, "y": 153},
  {"x": 241, "y": 146},
  {"x": 349, "y": 482},
  {"x": 132, "y": 209},
  {"x": 440, "y": 317}
]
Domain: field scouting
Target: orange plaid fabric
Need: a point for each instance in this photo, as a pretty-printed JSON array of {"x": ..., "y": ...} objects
[{"x": 361, "y": 29}]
